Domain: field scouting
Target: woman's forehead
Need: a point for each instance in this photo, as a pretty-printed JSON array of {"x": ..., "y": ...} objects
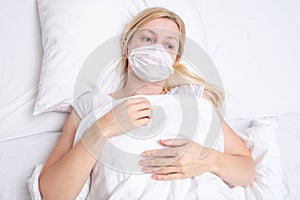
[{"x": 162, "y": 23}]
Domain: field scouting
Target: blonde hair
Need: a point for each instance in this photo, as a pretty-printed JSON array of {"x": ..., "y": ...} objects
[{"x": 182, "y": 75}]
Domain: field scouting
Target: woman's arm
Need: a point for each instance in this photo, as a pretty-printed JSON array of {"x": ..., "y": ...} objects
[
  {"x": 235, "y": 166},
  {"x": 67, "y": 168}
]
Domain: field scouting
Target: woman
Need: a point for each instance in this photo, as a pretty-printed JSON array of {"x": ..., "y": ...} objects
[{"x": 68, "y": 167}]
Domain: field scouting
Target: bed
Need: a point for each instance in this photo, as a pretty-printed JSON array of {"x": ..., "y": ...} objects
[{"x": 253, "y": 44}]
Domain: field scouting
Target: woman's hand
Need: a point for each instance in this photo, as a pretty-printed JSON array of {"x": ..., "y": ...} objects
[
  {"x": 183, "y": 159},
  {"x": 126, "y": 116}
]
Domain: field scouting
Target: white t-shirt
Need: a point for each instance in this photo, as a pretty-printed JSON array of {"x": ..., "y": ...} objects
[{"x": 108, "y": 183}]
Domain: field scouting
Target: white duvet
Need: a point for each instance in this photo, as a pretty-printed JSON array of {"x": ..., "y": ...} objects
[{"x": 118, "y": 176}]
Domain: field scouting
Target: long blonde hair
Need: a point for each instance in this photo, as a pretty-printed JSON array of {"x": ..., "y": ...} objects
[{"x": 182, "y": 75}]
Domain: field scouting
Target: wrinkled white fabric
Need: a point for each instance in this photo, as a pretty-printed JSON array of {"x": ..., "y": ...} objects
[
  {"x": 151, "y": 63},
  {"x": 111, "y": 177},
  {"x": 260, "y": 139}
]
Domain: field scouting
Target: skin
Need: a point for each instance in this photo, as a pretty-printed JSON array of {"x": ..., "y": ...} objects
[{"x": 68, "y": 167}]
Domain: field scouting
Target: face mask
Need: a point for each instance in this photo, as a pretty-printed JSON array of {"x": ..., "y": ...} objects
[{"x": 151, "y": 63}]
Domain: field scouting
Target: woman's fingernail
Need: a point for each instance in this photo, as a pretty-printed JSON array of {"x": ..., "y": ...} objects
[
  {"x": 141, "y": 163},
  {"x": 166, "y": 141},
  {"x": 144, "y": 154},
  {"x": 144, "y": 169},
  {"x": 155, "y": 177}
]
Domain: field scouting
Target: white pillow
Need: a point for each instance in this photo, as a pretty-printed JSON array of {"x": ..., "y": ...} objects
[
  {"x": 261, "y": 139},
  {"x": 72, "y": 29}
]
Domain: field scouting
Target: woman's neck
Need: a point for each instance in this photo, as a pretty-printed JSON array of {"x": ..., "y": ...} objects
[{"x": 134, "y": 86}]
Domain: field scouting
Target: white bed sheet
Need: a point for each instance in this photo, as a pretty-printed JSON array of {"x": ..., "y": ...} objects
[
  {"x": 17, "y": 158},
  {"x": 289, "y": 142},
  {"x": 24, "y": 140},
  {"x": 254, "y": 45}
]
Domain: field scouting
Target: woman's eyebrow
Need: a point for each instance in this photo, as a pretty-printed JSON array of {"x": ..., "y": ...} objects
[
  {"x": 173, "y": 38},
  {"x": 150, "y": 31}
]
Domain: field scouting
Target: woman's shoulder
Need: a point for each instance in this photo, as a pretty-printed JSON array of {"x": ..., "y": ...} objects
[
  {"x": 87, "y": 101},
  {"x": 188, "y": 89}
]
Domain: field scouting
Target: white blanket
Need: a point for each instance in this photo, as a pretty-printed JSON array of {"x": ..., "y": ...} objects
[
  {"x": 122, "y": 154},
  {"x": 107, "y": 183},
  {"x": 118, "y": 175}
]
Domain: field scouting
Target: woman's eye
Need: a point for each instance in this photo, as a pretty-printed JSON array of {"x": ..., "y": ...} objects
[
  {"x": 148, "y": 39},
  {"x": 169, "y": 46}
]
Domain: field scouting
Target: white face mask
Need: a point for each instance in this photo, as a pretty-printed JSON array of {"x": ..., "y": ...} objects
[{"x": 151, "y": 63}]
